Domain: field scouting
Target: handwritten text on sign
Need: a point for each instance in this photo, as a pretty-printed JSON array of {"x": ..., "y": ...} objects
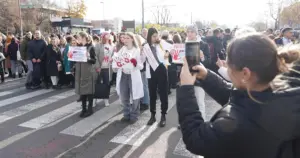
[
  {"x": 177, "y": 53},
  {"x": 77, "y": 54}
]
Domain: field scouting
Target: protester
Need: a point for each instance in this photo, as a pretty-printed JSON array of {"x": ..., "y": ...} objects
[
  {"x": 145, "y": 101},
  {"x": 247, "y": 125},
  {"x": 68, "y": 65},
  {"x": 287, "y": 34},
  {"x": 36, "y": 50},
  {"x": 159, "y": 77},
  {"x": 129, "y": 81},
  {"x": 227, "y": 38},
  {"x": 53, "y": 61},
  {"x": 84, "y": 77},
  {"x": 12, "y": 53},
  {"x": 25, "y": 57},
  {"x": 7, "y": 64}
]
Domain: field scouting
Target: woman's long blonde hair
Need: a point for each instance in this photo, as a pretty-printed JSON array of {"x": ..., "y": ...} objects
[{"x": 135, "y": 43}]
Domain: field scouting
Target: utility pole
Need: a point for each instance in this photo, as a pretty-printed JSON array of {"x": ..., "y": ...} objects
[
  {"x": 143, "y": 14},
  {"x": 191, "y": 17},
  {"x": 20, "y": 16}
]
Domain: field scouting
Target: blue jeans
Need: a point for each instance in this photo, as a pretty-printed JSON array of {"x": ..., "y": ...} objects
[
  {"x": 146, "y": 98},
  {"x": 130, "y": 111}
]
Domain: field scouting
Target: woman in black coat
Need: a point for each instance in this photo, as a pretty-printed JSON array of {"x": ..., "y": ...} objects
[
  {"x": 53, "y": 60},
  {"x": 256, "y": 120}
]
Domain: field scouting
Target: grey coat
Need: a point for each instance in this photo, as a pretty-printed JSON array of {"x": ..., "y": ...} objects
[{"x": 85, "y": 74}]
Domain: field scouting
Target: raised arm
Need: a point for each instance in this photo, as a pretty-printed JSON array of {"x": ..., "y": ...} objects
[{"x": 217, "y": 87}]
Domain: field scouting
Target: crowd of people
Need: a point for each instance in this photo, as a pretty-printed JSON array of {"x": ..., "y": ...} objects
[{"x": 238, "y": 69}]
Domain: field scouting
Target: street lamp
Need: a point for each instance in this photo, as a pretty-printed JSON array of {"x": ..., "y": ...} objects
[{"x": 103, "y": 10}]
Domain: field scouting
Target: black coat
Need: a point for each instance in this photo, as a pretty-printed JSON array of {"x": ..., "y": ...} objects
[
  {"x": 36, "y": 49},
  {"x": 52, "y": 56},
  {"x": 12, "y": 51},
  {"x": 242, "y": 128}
]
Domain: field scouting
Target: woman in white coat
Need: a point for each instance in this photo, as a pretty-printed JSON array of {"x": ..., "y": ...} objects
[{"x": 129, "y": 80}]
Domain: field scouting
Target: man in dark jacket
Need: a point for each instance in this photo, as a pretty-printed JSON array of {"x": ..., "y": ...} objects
[
  {"x": 216, "y": 49},
  {"x": 227, "y": 38},
  {"x": 36, "y": 50},
  {"x": 24, "y": 54}
]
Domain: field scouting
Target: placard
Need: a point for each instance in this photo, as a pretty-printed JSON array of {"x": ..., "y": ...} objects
[
  {"x": 122, "y": 60},
  {"x": 177, "y": 53},
  {"x": 77, "y": 54}
]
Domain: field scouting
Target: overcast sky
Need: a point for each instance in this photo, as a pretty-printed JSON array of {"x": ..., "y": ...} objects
[{"x": 230, "y": 12}]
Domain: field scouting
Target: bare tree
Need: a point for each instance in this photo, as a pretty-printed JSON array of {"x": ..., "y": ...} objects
[
  {"x": 275, "y": 8},
  {"x": 38, "y": 15},
  {"x": 162, "y": 15},
  {"x": 8, "y": 17}
]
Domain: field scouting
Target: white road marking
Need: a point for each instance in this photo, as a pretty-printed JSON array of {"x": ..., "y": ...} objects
[
  {"x": 5, "y": 116},
  {"x": 85, "y": 126},
  {"x": 132, "y": 135},
  {"x": 159, "y": 148},
  {"x": 180, "y": 150},
  {"x": 52, "y": 116},
  {"x": 23, "y": 97}
]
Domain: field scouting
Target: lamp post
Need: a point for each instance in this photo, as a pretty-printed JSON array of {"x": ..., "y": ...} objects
[
  {"x": 103, "y": 10},
  {"x": 20, "y": 16}
]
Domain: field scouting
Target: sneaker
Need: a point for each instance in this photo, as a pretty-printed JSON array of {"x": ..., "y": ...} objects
[{"x": 106, "y": 102}]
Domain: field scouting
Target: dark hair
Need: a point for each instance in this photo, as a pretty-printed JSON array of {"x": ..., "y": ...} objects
[
  {"x": 52, "y": 36},
  {"x": 151, "y": 31},
  {"x": 75, "y": 36},
  {"x": 164, "y": 37},
  {"x": 96, "y": 38},
  {"x": 177, "y": 39},
  {"x": 69, "y": 39},
  {"x": 227, "y": 30},
  {"x": 221, "y": 30},
  {"x": 216, "y": 31},
  {"x": 256, "y": 52}
]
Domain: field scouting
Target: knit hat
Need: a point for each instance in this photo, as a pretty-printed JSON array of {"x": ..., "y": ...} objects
[
  {"x": 286, "y": 29},
  {"x": 193, "y": 28},
  {"x": 165, "y": 33}
]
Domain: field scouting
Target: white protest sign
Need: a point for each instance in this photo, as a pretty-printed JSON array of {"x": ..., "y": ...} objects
[
  {"x": 77, "y": 54},
  {"x": 122, "y": 60},
  {"x": 177, "y": 53}
]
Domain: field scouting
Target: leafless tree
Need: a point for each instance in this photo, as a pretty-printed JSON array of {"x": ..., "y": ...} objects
[
  {"x": 275, "y": 8},
  {"x": 162, "y": 15},
  {"x": 7, "y": 16}
]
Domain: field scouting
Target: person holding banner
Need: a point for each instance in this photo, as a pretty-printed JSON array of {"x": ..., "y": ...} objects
[
  {"x": 85, "y": 76},
  {"x": 129, "y": 81},
  {"x": 156, "y": 71}
]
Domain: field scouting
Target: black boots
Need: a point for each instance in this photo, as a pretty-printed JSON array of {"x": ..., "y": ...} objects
[
  {"x": 162, "y": 121},
  {"x": 152, "y": 120},
  {"x": 83, "y": 111},
  {"x": 89, "y": 111}
]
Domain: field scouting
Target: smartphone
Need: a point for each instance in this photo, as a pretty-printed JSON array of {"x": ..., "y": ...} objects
[{"x": 192, "y": 54}]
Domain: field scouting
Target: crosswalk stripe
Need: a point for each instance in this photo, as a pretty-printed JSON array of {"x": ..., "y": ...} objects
[
  {"x": 52, "y": 116},
  {"x": 130, "y": 130},
  {"x": 181, "y": 150},
  {"x": 87, "y": 125},
  {"x": 11, "y": 91},
  {"x": 5, "y": 116},
  {"x": 23, "y": 97}
]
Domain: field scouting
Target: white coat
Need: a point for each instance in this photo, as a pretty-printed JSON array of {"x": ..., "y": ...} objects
[{"x": 136, "y": 77}]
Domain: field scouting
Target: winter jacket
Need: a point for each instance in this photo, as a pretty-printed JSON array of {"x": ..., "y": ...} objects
[
  {"x": 12, "y": 50},
  {"x": 242, "y": 128},
  {"x": 85, "y": 74},
  {"x": 24, "y": 48},
  {"x": 205, "y": 49},
  {"x": 226, "y": 40},
  {"x": 52, "y": 56},
  {"x": 36, "y": 49}
]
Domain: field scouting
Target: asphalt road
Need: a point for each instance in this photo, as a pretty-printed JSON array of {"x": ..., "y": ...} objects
[{"x": 45, "y": 124}]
